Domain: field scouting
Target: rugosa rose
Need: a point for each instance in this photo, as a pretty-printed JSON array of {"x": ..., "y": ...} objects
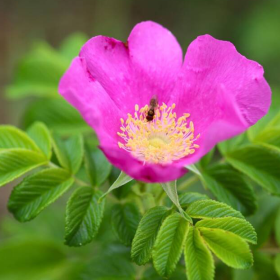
[{"x": 214, "y": 94}]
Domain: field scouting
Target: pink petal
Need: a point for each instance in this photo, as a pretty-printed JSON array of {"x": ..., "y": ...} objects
[
  {"x": 101, "y": 113},
  {"x": 92, "y": 101},
  {"x": 151, "y": 173},
  {"x": 132, "y": 73},
  {"x": 107, "y": 61},
  {"x": 156, "y": 58},
  {"x": 224, "y": 92}
]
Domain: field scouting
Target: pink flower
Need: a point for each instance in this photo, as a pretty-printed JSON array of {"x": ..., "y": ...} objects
[{"x": 214, "y": 94}]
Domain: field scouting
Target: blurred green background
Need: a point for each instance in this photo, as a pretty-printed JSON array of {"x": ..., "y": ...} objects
[{"x": 252, "y": 25}]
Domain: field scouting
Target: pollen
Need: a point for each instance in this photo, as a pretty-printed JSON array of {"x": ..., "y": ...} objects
[{"x": 162, "y": 140}]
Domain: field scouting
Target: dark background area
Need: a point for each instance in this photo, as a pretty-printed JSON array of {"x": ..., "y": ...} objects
[{"x": 252, "y": 25}]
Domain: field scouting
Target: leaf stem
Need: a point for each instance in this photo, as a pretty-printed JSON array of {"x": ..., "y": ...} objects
[
  {"x": 77, "y": 180},
  {"x": 80, "y": 182}
]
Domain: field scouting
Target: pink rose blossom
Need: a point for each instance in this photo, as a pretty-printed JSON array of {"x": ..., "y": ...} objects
[{"x": 214, "y": 94}]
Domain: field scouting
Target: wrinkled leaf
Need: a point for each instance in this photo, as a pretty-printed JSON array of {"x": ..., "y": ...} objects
[
  {"x": 98, "y": 167},
  {"x": 83, "y": 216},
  {"x": 199, "y": 260},
  {"x": 231, "y": 187},
  {"x": 260, "y": 163},
  {"x": 125, "y": 219},
  {"x": 41, "y": 136},
  {"x": 70, "y": 152},
  {"x": 12, "y": 137},
  {"x": 237, "y": 226},
  {"x": 146, "y": 234},
  {"x": 16, "y": 162},
  {"x": 187, "y": 198},
  {"x": 203, "y": 209},
  {"x": 37, "y": 191},
  {"x": 169, "y": 244},
  {"x": 228, "y": 247}
]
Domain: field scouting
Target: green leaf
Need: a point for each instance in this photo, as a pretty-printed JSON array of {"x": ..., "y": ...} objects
[
  {"x": 187, "y": 198},
  {"x": 264, "y": 219},
  {"x": 169, "y": 244},
  {"x": 277, "y": 227},
  {"x": 264, "y": 266},
  {"x": 171, "y": 191},
  {"x": 121, "y": 180},
  {"x": 37, "y": 191},
  {"x": 38, "y": 73},
  {"x": 277, "y": 264},
  {"x": 260, "y": 163},
  {"x": 16, "y": 162},
  {"x": 231, "y": 187},
  {"x": 247, "y": 274},
  {"x": 30, "y": 259},
  {"x": 70, "y": 152},
  {"x": 199, "y": 260},
  {"x": 146, "y": 234},
  {"x": 98, "y": 167},
  {"x": 269, "y": 137},
  {"x": 11, "y": 138},
  {"x": 112, "y": 266},
  {"x": 151, "y": 274},
  {"x": 232, "y": 144},
  {"x": 41, "y": 136},
  {"x": 228, "y": 247},
  {"x": 269, "y": 121},
  {"x": 83, "y": 216},
  {"x": 125, "y": 219},
  {"x": 203, "y": 209},
  {"x": 57, "y": 114},
  {"x": 205, "y": 161},
  {"x": 72, "y": 45},
  {"x": 237, "y": 226}
]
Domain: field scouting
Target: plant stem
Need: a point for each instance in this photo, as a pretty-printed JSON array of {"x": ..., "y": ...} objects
[
  {"x": 160, "y": 197},
  {"x": 271, "y": 251},
  {"x": 186, "y": 184}
]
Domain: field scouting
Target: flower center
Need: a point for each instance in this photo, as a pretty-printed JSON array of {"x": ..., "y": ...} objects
[
  {"x": 161, "y": 138},
  {"x": 157, "y": 142}
]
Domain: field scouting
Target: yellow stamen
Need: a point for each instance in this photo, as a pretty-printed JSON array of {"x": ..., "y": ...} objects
[{"x": 163, "y": 140}]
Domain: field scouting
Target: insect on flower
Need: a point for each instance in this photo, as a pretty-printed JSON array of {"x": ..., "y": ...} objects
[
  {"x": 153, "y": 107},
  {"x": 213, "y": 94}
]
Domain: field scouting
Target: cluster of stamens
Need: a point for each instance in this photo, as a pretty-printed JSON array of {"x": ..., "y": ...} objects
[{"x": 162, "y": 140}]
